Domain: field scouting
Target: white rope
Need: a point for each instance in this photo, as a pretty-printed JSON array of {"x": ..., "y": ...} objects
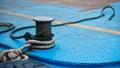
[
  {"x": 42, "y": 47},
  {"x": 35, "y": 44},
  {"x": 17, "y": 54},
  {"x": 41, "y": 42},
  {"x": 12, "y": 54}
]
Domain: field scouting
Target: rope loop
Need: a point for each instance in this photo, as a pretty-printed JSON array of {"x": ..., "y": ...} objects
[
  {"x": 113, "y": 14},
  {"x": 9, "y": 25},
  {"x": 29, "y": 36}
]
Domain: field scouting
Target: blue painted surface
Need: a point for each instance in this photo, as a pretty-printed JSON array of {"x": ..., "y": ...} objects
[
  {"x": 38, "y": 9},
  {"x": 114, "y": 24},
  {"x": 72, "y": 45}
]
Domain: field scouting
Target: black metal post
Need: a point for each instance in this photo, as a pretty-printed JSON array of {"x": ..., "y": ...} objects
[{"x": 43, "y": 26}]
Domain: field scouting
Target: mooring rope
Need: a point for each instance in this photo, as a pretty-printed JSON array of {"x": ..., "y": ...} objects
[
  {"x": 20, "y": 54},
  {"x": 79, "y": 21},
  {"x": 9, "y": 25}
]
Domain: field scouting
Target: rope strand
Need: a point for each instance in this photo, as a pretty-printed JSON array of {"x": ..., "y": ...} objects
[
  {"x": 79, "y": 21},
  {"x": 9, "y": 25}
]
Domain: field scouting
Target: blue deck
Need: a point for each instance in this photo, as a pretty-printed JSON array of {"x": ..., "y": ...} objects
[{"x": 74, "y": 45}]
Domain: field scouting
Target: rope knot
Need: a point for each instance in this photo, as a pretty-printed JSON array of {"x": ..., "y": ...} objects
[
  {"x": 12, "y": 54},
  {"x": 27, "y": 36}
]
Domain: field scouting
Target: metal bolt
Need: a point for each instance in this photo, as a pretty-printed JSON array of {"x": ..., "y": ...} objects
[{"x": 43, "y": 26}]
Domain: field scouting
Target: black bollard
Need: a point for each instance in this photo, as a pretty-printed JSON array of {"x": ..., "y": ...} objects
[{"x": 43, "y": 26}]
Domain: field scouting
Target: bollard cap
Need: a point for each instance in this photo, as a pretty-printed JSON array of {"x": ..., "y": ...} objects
[{"x": 43, "y": 19}]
